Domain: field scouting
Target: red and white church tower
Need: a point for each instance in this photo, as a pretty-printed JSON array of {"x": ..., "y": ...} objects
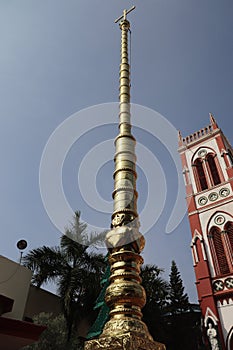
[{"x": 207, "y": 161}]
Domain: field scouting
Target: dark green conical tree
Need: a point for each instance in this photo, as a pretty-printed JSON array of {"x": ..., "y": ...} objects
[
  {"x": 183, "y": 322},
  {"x": 75, "y": 268},
  {"x": 178, "y": 300}
]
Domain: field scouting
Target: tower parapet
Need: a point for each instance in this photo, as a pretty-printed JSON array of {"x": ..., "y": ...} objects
[{"x": 197, "y": 136}]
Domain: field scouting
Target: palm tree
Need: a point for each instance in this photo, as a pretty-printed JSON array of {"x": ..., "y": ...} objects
[{"x": 74, "y": 267}]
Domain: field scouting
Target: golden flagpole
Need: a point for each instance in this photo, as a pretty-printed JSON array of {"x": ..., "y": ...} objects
[{"x": 125, "y": 296}]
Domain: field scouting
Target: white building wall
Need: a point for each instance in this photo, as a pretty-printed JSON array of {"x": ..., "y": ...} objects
[{"x": 226, "y": 317}]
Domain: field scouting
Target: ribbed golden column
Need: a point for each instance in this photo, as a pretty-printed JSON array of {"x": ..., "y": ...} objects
[
  {"x": 125, "y": 296},
  {"x": 125, "y": 194}
]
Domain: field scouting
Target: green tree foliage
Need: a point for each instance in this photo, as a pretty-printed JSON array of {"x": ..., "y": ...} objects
[
  {"x": 78, "y": 270},
  {"x": 182, "y": 321},
  {"x": 75, "y": 268},
  {"x": 178, "y": 300},
  {"x": 156, "y": 295},
  {"x": 55, "y": 336}
]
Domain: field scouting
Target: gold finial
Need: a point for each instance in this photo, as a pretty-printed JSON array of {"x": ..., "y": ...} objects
[{"x": 125, "y": 13}]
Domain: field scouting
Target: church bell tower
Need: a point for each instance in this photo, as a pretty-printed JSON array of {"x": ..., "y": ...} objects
[{"x": 207, "y": 162}]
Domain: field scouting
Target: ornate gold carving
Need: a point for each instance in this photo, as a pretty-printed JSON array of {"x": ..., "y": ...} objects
[
  {"x": 118, "y": 219},
  {"x": 120, "y": 326},
  {"x": 128, "y": 341}
]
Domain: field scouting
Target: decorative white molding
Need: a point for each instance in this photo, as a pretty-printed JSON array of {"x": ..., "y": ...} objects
[
  {"x": 214, "y": 217},
  {"x": 195, "y": 253},
  {"x": 209, "y": 314},
  {"x": 202, "y": 152},
  {"x": 203, "y": 250},
  {"x": 194, "y": 260},
  {"x": 196, "y": 236}
]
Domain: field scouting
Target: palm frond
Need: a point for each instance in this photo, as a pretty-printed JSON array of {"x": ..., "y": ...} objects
[
  {"x": 72, "y": 249},
  {"x": 74, "y": 267},
  {"x": 95, "y": 238},
  {"x": 46, "y": 263},
  {"x": 77, "y": 230}
]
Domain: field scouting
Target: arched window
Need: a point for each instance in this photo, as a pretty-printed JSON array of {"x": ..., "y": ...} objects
[
  {"x": 231, "y": 343},
  {"x": 200, "y": 174},
  {"x": 230, "y": 156},
  {"x": 219, "y": 254},
  {"x": 229, "y": 230},
  {"x": 230, "y": 339},
  {"x": 199, "y": 250},
  {"x": 213, "y": 169}
]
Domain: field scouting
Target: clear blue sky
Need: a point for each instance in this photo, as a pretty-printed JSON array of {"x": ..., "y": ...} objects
[{"x": 58, "y": 57}]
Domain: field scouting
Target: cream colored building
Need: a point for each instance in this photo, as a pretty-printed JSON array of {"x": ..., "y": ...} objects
[
  {"x": 14, "y": 291},
  {"x": 14, "y": 283}
]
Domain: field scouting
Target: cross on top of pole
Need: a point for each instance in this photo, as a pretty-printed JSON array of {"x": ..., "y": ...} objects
[{"x": 125, "y": 13}]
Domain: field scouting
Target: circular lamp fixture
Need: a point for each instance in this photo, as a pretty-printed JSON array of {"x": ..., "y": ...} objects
[{"x": 22, "y": 244}]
